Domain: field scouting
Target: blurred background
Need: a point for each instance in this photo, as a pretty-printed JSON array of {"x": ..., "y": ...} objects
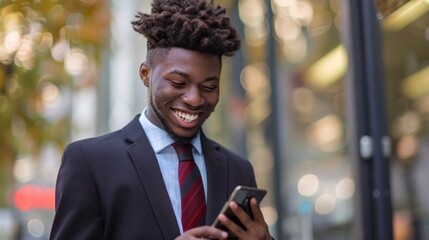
[{"x": 69, "y": 70}]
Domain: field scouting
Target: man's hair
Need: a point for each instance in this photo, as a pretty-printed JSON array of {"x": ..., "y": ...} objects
[{"x": 191, "y": 24}]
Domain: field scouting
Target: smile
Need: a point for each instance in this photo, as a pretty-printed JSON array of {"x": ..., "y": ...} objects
[{"x": 186, "y": 116}]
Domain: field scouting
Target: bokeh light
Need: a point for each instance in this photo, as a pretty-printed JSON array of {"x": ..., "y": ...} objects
[
  {"x": 254, "y": 79},
  {"x": 345, "y": 188},
  {"x": 308, "y": 185},
  {"x": 23, "y": 170},
  {"x": 325, "y": 204},
  {"x": 76, "y": 62},
  {"x": 36, "y": 228},
  {"x": 252, "y": 12},
  {"x": 326, "y": 133}
]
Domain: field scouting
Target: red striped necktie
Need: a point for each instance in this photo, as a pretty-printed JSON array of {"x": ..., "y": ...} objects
[{"x": 191, "y": 188}]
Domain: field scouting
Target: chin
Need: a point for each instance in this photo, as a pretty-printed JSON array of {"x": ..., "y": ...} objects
[{"x": 182, "y": 138}]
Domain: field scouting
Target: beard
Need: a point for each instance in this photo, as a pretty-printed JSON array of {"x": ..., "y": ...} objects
[{"x": 176, "y": 138}]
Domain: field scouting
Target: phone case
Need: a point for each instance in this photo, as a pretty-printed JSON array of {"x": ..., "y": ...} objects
[{"x": 241, "y": 195}]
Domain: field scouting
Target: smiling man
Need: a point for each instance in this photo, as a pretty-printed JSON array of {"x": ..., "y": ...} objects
[
  {"x": 160, "y": 177},
  {"x": 183, "y": 90}
]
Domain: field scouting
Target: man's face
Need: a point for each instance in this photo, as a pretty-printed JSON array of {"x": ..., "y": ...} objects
[{"x": 183, "y": 90}]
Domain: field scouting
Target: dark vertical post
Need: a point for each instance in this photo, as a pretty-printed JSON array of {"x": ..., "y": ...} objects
[
  {"x": 238, "y": 136},
  {"x": 378, "y": 121},
  {"x": 358, "y": 119},
  {"x": 276, "y": 121},
  {"x": 367, "y": 120}
]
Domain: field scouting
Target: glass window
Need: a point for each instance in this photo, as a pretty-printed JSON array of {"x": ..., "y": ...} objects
[
  {"x": 316, "y": 180},
  {"x": 405, "y": 27}
]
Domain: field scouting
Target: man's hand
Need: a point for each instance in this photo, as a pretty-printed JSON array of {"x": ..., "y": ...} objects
[
  {"x": 257, "y": 229},
  {"x": 204, "y": 232}
]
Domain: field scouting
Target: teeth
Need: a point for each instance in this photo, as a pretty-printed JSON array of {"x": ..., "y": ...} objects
[{"x": 185, "y": 116}]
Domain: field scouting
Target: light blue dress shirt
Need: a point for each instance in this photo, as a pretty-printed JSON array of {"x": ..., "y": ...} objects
[{"x": 169, "y": 163}]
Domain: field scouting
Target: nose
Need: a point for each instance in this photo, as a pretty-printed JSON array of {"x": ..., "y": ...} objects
[{"x": 193, "y": 97}]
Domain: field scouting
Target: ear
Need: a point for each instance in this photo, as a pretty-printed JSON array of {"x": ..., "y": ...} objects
[{"x": 144, "y": 73}]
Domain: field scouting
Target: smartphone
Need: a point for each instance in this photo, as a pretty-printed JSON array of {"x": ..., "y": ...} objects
[{"x": 241, "y": 195}]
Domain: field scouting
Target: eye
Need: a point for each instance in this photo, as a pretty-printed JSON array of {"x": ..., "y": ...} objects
[
  {"x": 210, "y": 88},
  {"x": 177, "y": 84}
]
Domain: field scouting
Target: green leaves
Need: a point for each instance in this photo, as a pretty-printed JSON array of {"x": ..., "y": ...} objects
[{"x": 45, "y": 50}]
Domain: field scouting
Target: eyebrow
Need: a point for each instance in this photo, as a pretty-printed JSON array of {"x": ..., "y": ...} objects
[{"x": 185, "y": 75}]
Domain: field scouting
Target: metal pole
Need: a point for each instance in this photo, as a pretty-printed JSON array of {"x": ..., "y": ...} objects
[
  {"x": 377, "y": 114},
  {"x": 358, "y": 128},
  {"x": 369, "y": 143},
  {"x": 276, "y": 122},
  {"x": 238, "y": 135}
]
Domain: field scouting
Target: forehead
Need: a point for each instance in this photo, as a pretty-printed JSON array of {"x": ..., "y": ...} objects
[{"x": 184, "y": 59}]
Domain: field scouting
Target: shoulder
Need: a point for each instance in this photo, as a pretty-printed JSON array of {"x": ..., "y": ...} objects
[
  {"x": 109, "y": 142},
  {"x": 100, "y": 143}
]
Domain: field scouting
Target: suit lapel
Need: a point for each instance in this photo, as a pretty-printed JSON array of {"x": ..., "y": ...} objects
[
  {"x": 147, "y": 167},
  {"x": 216, "y": 167}
]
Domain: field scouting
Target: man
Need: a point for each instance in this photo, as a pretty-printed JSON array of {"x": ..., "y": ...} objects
[{"x": 125, "y": 185}]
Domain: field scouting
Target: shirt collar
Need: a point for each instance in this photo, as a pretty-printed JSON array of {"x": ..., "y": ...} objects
[{"x": 159, "y": 138}]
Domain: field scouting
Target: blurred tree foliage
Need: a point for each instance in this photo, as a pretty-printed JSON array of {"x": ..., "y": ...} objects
[{"x": 46, "y": 47}]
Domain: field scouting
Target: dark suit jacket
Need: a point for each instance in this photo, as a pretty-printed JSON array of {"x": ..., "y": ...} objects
[{"x": 111, "y": 187}]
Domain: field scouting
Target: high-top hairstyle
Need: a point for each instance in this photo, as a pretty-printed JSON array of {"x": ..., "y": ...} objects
[{"x": 191, "y": 24}]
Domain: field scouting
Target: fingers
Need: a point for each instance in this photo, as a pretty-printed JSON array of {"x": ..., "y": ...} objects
[
  {"x": 256, "y": 211},
  {"x": 240, "y": 213},
  {"x": 244, "y": 217},
  {"x": 203, "y": 232},
  {"x": 255, "y": 229}
]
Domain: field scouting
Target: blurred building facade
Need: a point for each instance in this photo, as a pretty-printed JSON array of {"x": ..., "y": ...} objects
[{"x": 292, "y": 101}]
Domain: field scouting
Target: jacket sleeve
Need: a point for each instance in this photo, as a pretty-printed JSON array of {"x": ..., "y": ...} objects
[{"x": 77, "y": 203}]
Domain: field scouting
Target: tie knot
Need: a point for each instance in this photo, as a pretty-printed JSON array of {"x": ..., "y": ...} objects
[{"x": 184, "y": 151}]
